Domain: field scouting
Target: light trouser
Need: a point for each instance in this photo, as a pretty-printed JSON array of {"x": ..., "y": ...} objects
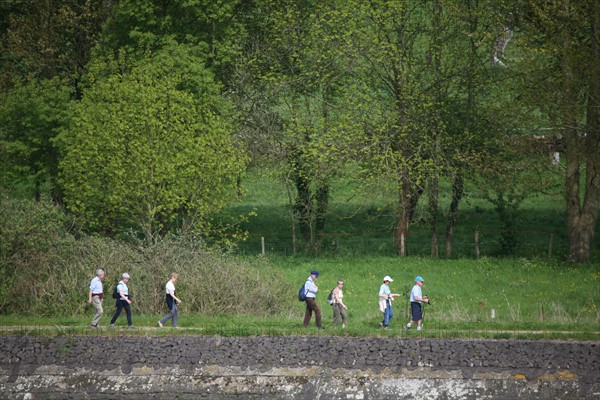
[
  {"x": 97, "y": 302},
  {"x": 172, "y": 314},
  {"x": 337, "y": 311}
]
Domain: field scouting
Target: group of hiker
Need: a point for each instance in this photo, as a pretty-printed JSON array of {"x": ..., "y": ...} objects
[
  {"x": 123, "y": 300},
  {"x": 308, "y": 293}
]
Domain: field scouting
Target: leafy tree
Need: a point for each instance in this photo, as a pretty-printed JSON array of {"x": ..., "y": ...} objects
[
  {"x": 31, "y": 115},
  {"x": 46, "y": 38},
  {"x": 295, "y": 95},
  {"x": 563, "y": 80},
  {"x": 150, "y": 145}
]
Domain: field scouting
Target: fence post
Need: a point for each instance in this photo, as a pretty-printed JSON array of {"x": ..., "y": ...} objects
[
  {"x": 477, "y": 253},
  {"x": 262, "y": 245},
  {"x": 550, "y": 245}
]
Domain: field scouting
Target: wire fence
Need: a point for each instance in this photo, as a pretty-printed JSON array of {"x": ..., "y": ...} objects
[{"x": 474, "y": 244}]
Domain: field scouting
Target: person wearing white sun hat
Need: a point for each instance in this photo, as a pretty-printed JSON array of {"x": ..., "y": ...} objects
[{"x": 385, "y": 301}]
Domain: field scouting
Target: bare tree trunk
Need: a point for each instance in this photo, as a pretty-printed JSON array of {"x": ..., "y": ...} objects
[
  {"x": 582, "y": 151},
  {"x": 404, "y": 211},
  {"x": 433, "y": 214},
  {"x": 434, "y": 181},
  {"x": 457, "y": 192}
]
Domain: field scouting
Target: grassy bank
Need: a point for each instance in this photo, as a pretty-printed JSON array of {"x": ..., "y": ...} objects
[{"x": 530, "y": 300}]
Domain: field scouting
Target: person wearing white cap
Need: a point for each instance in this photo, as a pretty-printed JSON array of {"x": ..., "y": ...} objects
[
  {"x": 95, "y": 297},
  {"x": 385, "y": 301},
  {"x": 416, "y": 297},
  {"x": 123, "y": 301}
]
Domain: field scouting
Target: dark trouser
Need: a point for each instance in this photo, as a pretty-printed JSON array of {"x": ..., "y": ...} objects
[
  {"x": 311, "y": 305},
  {"x": 416, "y": 311},
  {"x": 122, "y": 304}
]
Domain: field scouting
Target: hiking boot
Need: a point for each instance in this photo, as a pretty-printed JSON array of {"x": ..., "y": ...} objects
[{"x": 160, "y": 324}]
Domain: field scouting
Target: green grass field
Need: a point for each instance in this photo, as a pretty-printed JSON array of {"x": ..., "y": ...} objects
[
  {"x": 532, "y": 295},
  {"x": 531, "y": 300},
  {"x": 360, "y": 224}
]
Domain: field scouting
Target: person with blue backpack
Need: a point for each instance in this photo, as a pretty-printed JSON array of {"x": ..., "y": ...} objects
[{"x": 310, "y": 292}]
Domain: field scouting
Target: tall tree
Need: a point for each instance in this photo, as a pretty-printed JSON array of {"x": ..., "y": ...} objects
[
  {"x": 150, "y": 146},
  {"x": 31, "y": 115},
  {"x": 562, "y": 68},
  {"x": 294, "y": 75}
]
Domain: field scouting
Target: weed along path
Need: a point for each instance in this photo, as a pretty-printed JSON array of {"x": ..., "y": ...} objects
[
  {"x": 231, "y": 331},
  {"x": 152, "y": 363}
]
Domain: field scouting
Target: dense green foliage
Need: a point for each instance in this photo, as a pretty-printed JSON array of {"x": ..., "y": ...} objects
[
  {"x": 150, "y": 111},
  {"x": 150, "y": 145}
]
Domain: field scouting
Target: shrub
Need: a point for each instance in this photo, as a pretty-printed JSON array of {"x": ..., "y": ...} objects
[{"x": 46, "y": 270}]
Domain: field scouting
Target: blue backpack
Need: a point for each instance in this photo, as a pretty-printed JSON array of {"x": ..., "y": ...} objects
[{"x": 302, "y": 293}]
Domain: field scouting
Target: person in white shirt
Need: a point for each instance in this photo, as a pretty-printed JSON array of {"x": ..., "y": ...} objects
[
  {"x": 385, "y": 301},
  {"x": 339, "y": 308},
  {"x": 311, "y": 303},
  {"x": 416, "y": 297},
  {"x": 95, "y": 296},
  {"x": 172, "y": 302},
  {"x": 123, "y": 301}
]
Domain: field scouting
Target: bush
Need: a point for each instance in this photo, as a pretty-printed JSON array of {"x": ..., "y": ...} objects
[{"x": 46, "y": 270}]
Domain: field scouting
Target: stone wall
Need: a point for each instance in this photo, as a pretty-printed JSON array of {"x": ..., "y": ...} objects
[{"x": 300, "y": 367}]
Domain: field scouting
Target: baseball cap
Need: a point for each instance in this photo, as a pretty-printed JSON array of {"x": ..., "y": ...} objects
[
  {"x": 314, "y": 272},
  {"x": 419, "y": 279},
  {"x": 387, "y": 278},
  {"x": 125, "y": 275}
]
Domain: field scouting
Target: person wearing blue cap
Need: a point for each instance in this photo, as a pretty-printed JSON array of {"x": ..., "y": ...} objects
[
  {"x": 311, "y": 302},
  {"x": 416, "y": 297}
]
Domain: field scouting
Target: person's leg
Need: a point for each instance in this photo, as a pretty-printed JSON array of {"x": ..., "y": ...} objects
[
  {"x": 117, "y": 312},
  {"x": 419, "y": 317},
  {"x": 169, "y": 314},
  {"x": 99, "y": 311},
  {"x": 344, "y": 316},
  {"x": 175, "y": 318},
  {"x": 127, "y": 308},
  {"x": 386, "y": 315},
  {"x": 308, "y": 313},
  {"x": 336, "y": 314},
  {"x": 317, "y": 314}
]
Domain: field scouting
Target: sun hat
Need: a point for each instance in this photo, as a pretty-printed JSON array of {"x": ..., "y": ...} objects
[
  {"x": 314, "y": 272},
  {"x": 125, "y": 275},
  {"x": 419, "y": 279},
  {"x": 387, "y": 278}
]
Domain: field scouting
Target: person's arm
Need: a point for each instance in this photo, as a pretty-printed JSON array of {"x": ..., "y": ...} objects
[
  {"x": 122, "y": 294},
  {"x": 311, "y": 287},
  {"x": 172, "y": 294},
  {"x": 90, "y": 297},
  {"x": 338, "y": 299},
  {"x": 424, "y": 299}
]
